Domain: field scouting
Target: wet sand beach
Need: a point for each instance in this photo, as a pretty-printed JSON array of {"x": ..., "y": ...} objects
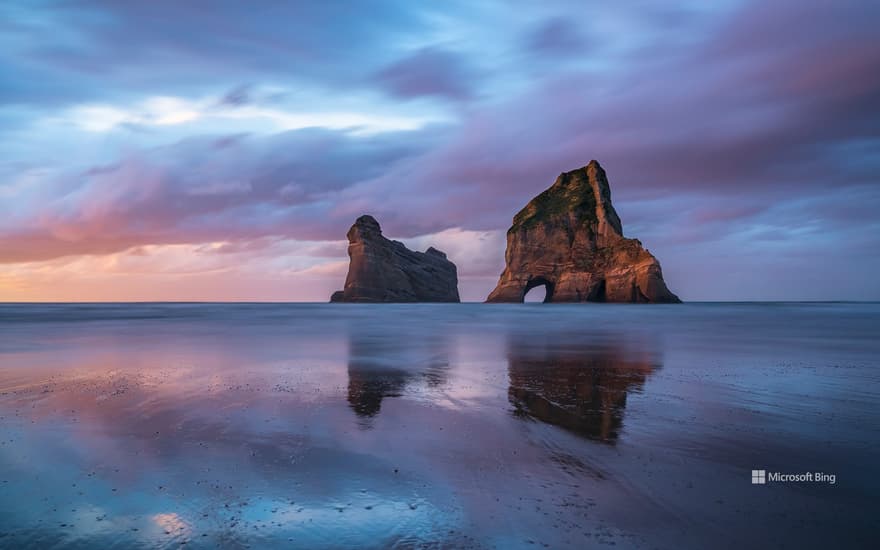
[{"x": 438, "y": 426}]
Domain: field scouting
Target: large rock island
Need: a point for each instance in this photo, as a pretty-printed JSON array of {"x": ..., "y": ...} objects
[
  {"x": 382, "y": 270},
  {"x": 569, "y": 239}
]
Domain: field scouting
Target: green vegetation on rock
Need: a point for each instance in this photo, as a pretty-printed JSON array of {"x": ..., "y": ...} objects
[{"x": 572, "y": 193}]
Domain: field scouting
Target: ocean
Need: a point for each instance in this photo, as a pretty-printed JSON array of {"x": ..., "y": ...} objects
[{"x": 439, "y": 426}]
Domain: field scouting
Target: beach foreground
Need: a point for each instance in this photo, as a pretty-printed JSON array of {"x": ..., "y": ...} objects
[{"x": 455, "y": 425}]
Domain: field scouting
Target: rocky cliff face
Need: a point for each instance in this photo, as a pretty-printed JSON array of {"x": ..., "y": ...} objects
[
  {"x": 570, "y": 239},
  {"x": 382, "y": 270}
]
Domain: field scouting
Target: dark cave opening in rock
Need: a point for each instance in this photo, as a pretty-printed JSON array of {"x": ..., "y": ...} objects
[
  {"x": 538, "y": 289},
  {"x": 598, "y": 293}
]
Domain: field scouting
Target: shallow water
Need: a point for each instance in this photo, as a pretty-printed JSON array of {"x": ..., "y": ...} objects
[{"x": 471, "y": 425}]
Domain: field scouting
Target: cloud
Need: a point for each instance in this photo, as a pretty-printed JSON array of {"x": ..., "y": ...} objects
[
  {"x": 278, "y": 185},
  {"x": 261, "y": 269},
  {"x": 761, "y": 122},
  {"x": 238, "y": 96},
  {"x": 156, "y": 111},
  {"x": 428, "y": 72},
  {"x": 106, "y": 48},
  {"x": 476, "y": 253},
  {"x": 557, "y": 35},
  {"x": 162, "y": 111}
]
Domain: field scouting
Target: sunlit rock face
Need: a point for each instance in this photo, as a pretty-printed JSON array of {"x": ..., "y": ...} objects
[
  {"x": 382, "y": 270},
  {"x": 570, "y": 239}
]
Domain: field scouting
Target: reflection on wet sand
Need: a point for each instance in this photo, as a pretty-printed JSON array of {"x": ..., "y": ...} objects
[
  {"x": 210, "y": 456},
  {"x": 235, "y": 426},
  {"x": 577, "y": 386},
  {"x": 381, "y": 365}
]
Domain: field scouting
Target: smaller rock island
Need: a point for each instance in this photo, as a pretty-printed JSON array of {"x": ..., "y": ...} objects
[{"x": 382, "y": 270}]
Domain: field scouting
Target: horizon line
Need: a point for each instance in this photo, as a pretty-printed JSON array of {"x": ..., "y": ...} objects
[{"x": 3, "y": 303}]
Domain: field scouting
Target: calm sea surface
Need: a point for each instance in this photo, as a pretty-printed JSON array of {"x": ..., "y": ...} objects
[{"x": 439, "y": 426}]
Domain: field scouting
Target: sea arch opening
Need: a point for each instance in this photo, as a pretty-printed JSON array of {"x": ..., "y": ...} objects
[{"x": 539, "y": 285}]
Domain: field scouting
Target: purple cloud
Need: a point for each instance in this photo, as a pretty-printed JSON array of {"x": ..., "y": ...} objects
[
  {"x": 428, "y": 72},
  {"x": 747, "y": 132},
  {"x": 230, "y": 188},
  {"x": 558, "y": 36}
]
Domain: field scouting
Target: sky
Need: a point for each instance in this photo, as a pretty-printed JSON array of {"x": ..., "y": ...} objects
[{"x": 172, "y": 150}]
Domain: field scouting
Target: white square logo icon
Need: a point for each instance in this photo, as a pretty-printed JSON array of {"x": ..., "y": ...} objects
[{"x": 759, "y": 477}]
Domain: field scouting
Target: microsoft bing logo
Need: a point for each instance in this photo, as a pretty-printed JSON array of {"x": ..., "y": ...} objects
[{"x": 759, "y": 477}]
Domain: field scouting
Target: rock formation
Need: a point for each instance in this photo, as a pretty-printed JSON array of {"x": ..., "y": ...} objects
[
  {"x": 569, "y": 238},
  {"x": 382, "y": 270}
]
